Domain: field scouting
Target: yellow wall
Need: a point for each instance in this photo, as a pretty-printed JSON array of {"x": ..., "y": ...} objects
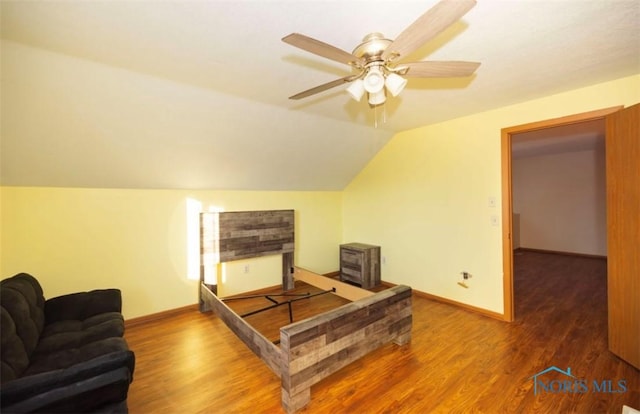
[
  {"x": 424, "y": 198},
  {"x": 76, "y": 239}
]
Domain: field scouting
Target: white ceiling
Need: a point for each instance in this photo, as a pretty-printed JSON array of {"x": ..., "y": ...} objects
[{"x": 231, "y": 52}]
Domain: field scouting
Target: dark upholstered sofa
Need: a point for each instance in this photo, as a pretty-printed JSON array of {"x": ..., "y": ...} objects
[{"x": 62, "y": 355}]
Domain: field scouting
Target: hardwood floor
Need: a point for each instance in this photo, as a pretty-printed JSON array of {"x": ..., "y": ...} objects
[{"x": 457, "y": 361}]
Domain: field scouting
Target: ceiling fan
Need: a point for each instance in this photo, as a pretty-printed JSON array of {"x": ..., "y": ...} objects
[{"x": 377, "y": 60}]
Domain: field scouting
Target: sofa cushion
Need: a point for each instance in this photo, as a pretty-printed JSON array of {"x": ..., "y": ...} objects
[
  {"x": 77, "y": 333},
  {"x": 82, "y": 305},
  {"x": 22, "y": 319},
  {"x": 67, "y": 357},
  {"x": 14, "y": 355}
]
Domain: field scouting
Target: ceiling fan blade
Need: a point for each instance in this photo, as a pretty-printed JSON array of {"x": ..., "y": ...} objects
[
  {"x": 321, "y": 49},
  {"x": 428, "y": 26},
  {"x": 323, "y": 87},
  {"x": 439, "y": 69}
]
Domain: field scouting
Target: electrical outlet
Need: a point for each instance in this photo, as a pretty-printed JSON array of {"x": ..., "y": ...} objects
[
  {"x": 494, "y": 220},
  {"x": 384, "y": 260},
  {"x": 246, "y": 268},
  {"x": 492, "y": 202}
]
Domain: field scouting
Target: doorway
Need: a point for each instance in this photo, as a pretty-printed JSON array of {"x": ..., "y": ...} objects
[
  {"x": 558, "y": 190},
  {"x": 507, "y": 196}
]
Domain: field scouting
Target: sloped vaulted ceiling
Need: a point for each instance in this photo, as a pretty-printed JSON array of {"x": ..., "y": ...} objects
[{"x": 194, "y": 94}]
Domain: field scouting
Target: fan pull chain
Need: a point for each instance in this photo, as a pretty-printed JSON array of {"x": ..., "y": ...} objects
[{"x": 375, "y": 116}]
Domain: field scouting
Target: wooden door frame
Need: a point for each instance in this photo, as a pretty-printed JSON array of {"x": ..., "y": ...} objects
[{"x": 507, "y": 200}]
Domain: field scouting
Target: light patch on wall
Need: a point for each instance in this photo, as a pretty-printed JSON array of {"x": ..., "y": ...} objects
[
  {"x": 211, "y": 266},
  {"x": 223, "y": 272}
]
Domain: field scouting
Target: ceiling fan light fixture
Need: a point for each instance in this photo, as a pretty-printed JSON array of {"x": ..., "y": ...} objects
[
  {"x": 374, "y": 80},
  {"x": 395, "y": 84},
  {"x": 356, "y": 89},
  {"x": 374, "y": 62},
  {"x": 377, "y": 98}
]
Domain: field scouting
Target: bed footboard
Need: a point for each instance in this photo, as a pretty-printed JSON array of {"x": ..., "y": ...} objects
[{"x": 315, "y": 348}]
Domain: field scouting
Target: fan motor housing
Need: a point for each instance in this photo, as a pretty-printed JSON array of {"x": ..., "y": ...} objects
[{"x": 372, "y": 47}]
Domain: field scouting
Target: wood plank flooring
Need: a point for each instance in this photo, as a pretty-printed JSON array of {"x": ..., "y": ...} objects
[{"x": 458, "y": 361}]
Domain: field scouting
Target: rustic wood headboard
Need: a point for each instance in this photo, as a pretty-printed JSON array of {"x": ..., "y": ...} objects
[{"x": 235, "y": 235}]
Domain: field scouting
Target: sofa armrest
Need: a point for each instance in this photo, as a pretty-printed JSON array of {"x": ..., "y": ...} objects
[
  {"x": 82, "y": 305},
  {"x": 71, "y": 389}
]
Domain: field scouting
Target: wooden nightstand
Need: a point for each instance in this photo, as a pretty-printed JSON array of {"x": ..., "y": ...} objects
[{"x": 360, "y": 263}]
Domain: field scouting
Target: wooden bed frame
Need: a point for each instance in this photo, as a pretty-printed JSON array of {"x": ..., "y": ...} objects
[{"x": 314, "y": 348}]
